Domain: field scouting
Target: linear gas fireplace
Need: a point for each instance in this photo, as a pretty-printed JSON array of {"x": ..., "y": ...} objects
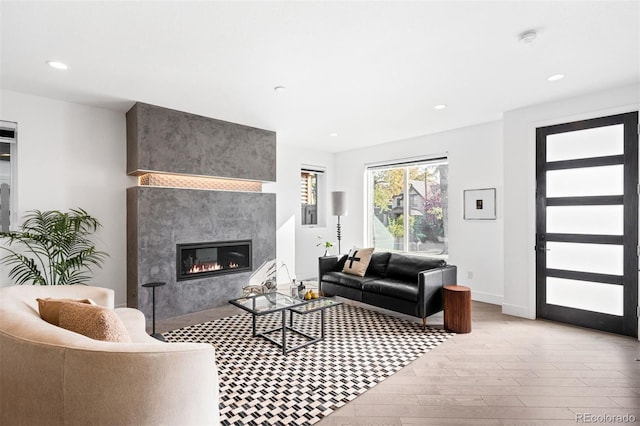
[{"x": 200, "y": 260}]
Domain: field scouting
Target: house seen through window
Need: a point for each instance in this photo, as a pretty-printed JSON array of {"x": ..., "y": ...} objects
[{"x": 414, "y": 223}]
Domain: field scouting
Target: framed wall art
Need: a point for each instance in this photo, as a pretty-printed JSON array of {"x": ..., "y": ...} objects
[{"x": 480, "y": 204}]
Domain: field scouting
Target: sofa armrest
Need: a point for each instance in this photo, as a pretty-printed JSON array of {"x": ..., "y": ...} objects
[
  {"x": 430, "y": 285},
  {"x": 135, "y": 322},
  {"x": 326, "y": 264}
]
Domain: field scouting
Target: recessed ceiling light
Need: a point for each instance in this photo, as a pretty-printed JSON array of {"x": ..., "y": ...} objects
[
  {"x": 333, "y": 135},
  {"x": 528, "y": 36},
  {"x": 280, "y": 88},
  {"x": 57, "y": 65},
  {"x": 441, "y": 106},
  {"x": 555, "y": 77}
]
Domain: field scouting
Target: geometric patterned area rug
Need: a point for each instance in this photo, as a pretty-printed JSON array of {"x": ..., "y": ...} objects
[{"x": 260, "y": 386}]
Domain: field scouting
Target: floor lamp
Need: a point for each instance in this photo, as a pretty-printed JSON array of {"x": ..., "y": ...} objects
[{"x": 339, "y": 208}]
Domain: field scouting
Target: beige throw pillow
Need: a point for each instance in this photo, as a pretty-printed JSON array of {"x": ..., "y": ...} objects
[
  {"x": 50, "y": 308},
  {"x": 358, "y": 261},
  {"x": 95, "y": 322}
]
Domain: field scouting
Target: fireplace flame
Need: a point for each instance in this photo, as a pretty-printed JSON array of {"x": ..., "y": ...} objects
[{"x": 207, "y": 267}]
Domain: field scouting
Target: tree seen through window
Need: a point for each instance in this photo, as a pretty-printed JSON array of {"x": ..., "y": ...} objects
[{"x": 425, "y": 206}]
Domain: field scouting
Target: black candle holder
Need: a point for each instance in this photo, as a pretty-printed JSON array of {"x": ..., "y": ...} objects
[{"x": 153, "y": 301}]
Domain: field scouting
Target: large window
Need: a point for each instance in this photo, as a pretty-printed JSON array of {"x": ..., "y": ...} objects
[
  {"x": 408, "y": 207},
  {"x": 310, "y": 181}
]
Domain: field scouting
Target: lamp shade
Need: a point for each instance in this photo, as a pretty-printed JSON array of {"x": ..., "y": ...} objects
[{"x": 339, "y": 203}]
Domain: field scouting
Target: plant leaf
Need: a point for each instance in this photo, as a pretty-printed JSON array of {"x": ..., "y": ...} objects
[{"x": 60, "y": 244}]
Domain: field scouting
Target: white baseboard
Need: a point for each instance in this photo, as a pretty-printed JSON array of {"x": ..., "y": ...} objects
[
  {"x": 493, "y": 299},
  {"x": 516, "y": 311}
]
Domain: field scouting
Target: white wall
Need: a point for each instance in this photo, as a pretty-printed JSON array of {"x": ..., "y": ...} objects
[
  {"x": 73, "y": 155},
  {"x": 475, "y": 161},
  {"x": 70, "y": 156},
  {"x": 296, "y": 244},
  {"x": 519, "y": 177}
]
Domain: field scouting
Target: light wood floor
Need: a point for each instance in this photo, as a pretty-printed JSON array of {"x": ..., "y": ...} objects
[{"x": 507, "y": 371}]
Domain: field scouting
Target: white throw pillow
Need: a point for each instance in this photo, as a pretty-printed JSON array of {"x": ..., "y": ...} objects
[{"x": 358, "y": 261}]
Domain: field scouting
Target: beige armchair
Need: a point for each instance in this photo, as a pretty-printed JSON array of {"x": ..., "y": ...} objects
[{"x": 52, "y": 376}]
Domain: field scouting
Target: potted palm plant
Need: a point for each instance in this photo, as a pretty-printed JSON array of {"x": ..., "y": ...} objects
[{"x": 53, "y": 248}]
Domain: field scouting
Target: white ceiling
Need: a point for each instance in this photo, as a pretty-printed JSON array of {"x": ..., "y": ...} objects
[{"x": 369, "y": 71}]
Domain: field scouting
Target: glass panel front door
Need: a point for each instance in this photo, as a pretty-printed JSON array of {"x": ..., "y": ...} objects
[
  {"x": 596, "y": 297},
  {"x": 587, "y": 223},
  {"x": 587, "y": 143},
  {"x": 586, "y": 181},
  {"x": 597, "y": 220},
  {"x": 595, "y": 258}
]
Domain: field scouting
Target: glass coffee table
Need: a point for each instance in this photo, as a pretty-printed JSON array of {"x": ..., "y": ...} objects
[{"x": 269, "y": 303}]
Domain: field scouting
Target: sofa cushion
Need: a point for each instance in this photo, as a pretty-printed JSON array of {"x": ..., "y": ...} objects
[
  {"x": 95, "y": 322},
  {"x": 407, "y": 268},
  {"x": 378, "y": 264},
  {"x": 393, "y": 288},
  {"x": 49, "y": 308},
  {"x": 347, "y": 280},
  {"x": 358, "y": 261}
]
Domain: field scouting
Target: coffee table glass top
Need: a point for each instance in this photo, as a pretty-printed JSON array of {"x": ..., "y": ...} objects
[
  {"x": 315, "y": 305},
  {"x": 268, "y": 302}
]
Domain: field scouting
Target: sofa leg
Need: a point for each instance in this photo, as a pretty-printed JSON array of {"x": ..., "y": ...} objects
[{"x": 424, "y": 323}]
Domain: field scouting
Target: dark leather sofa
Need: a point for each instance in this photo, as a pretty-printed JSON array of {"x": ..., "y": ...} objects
[{"x": 402, "y": 283}]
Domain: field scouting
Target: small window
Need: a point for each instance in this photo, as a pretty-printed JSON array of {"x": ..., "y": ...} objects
[
  {"x": 8, "y": 131},
  {"x": 310, "y": 181}
]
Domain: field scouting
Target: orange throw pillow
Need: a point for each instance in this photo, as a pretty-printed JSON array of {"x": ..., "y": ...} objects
[
  {"x": 50, "y": 308},
  {"x": 95, "y": 322}
]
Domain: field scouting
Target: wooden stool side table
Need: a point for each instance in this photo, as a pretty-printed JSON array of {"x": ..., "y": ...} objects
[{"x": 457, "y": 308}]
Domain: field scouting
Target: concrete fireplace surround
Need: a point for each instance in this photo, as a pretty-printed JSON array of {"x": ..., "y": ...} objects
[{"x": 167, "y": 141}]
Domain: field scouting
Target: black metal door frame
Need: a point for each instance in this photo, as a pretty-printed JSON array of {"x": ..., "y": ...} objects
[{"x": 628, "y": 323}]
